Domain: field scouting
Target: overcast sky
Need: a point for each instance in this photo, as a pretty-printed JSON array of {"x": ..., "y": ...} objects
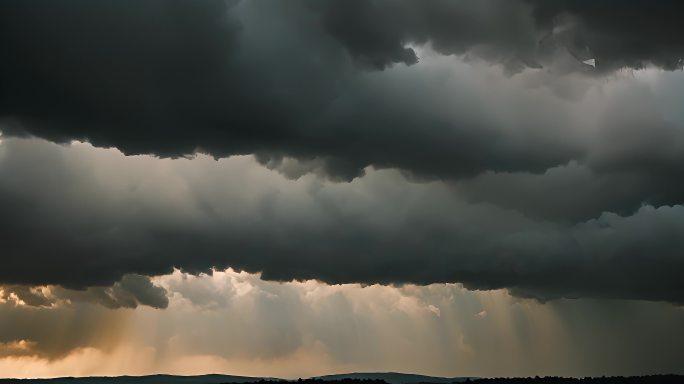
[{"x": 289, "y": 188}]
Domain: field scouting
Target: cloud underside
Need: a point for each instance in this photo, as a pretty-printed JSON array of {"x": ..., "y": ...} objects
[
  {"x": 100, "y": 215},
  {"x": 385, "y": 142},
  {"x": 237, "y": 323},
  {"x": 305, "y": 79}
]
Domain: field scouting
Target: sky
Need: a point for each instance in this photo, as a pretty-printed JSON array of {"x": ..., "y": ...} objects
[{"x": 297, "y": 188}]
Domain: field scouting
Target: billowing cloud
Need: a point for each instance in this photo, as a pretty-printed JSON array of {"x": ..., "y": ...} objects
[
  {"x": 341, "y": 185},
  {"x": 293, "y": 80},
  {"x": 626, "y": 34},
  {"x": 237, "y": 323},
  {"x": 378, "y": 33},
  {"x": 103, "y": 215},
  {"x": 613, "y": 35},
  {"x": 495, "y": 157},
  {"x": 132, "y": 290}
]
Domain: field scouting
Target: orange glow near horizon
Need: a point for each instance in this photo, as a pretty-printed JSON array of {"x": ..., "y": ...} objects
[{"x": 235, "y": 323}]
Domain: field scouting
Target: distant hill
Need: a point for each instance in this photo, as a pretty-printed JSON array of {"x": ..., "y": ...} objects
[
  {"x": 394, "y": 378},
  {"x": 652, "y": 379},
  {"x": 388, "y": 377},
  {"x": 347, "y": 378},
  {"x": 152, "y": 379}
]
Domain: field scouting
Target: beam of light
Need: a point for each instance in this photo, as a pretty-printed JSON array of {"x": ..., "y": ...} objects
[{"x": 236, "y": 323}]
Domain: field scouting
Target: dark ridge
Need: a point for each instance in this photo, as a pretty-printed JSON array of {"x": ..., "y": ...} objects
[
  {"x": 354, "y": 378},
  {"x": 151, "y": 379},
  {"x": 651, "y": 379},
  {"x": 317, "y": 380},
  {"x": 393, "y": 378}
]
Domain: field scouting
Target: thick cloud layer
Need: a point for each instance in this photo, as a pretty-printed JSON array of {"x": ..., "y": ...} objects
[
  {"x": 539, "y": 172},
  {"x": 614, "y": 34},
  {"x": 237, "y": 323},
  {"x": 633, "y": 33},
  {"x": 101, "y": 215},
  {"x": 300, "y": 79},
  {"x": 129, "y": 292}
]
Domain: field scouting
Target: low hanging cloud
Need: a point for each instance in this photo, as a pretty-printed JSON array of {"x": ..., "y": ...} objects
[
  {"x": 617, "y": 35},
  {"x": 321, "y": 81},
  {"x": 382, "y": 142},
  {"x": 614, "y": 35},
  {"x": 132, "y": 290},
  {"x": 103, "y": 215},
  {"x": 237, "y": 323},
  {"x": 54, "y": 333}
]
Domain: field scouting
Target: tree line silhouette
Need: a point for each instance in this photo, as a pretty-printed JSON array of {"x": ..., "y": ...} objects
[{"x": 652, "y": 379}]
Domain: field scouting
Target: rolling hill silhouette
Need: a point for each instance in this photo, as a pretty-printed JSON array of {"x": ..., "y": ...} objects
[{"x": 348, "y": 378}]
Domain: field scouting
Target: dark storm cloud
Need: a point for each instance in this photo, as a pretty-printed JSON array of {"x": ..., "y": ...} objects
[
  {"x": 147, "y": 216},
  {"x": 131, "y": 291},
  {"x": 377, "y": 32},
  {"x": 296, "y": 79},
  {"x": 617, "y": 34},
  {"x": 173, "y": 77},
  {"x": 333, "y": 88},
  {"x": 115, "y": 72},
  {"x": 625, "y": 34},
  {"x": 635, "y": 157}
]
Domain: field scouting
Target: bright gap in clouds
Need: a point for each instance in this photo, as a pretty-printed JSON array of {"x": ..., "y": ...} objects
[{"x": 236, "y": 323}]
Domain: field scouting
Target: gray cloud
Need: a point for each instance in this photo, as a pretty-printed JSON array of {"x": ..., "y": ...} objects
[
  {"x": 238, "y": 323},
  {"x": 631, "y": 34},
  {"x": 633, "y": 157},
  {"x": 53, "y": 333},
  {"x": 131, "y": 291},
  {"x": 524, "y": 154},
  {"x": 377, "y": 33},
  {"x": 209, "y": 86},
  {"x": 284, "y": 80},
  {"x": 627, "y": 34},
  {"x": 102, "y": 216}
]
